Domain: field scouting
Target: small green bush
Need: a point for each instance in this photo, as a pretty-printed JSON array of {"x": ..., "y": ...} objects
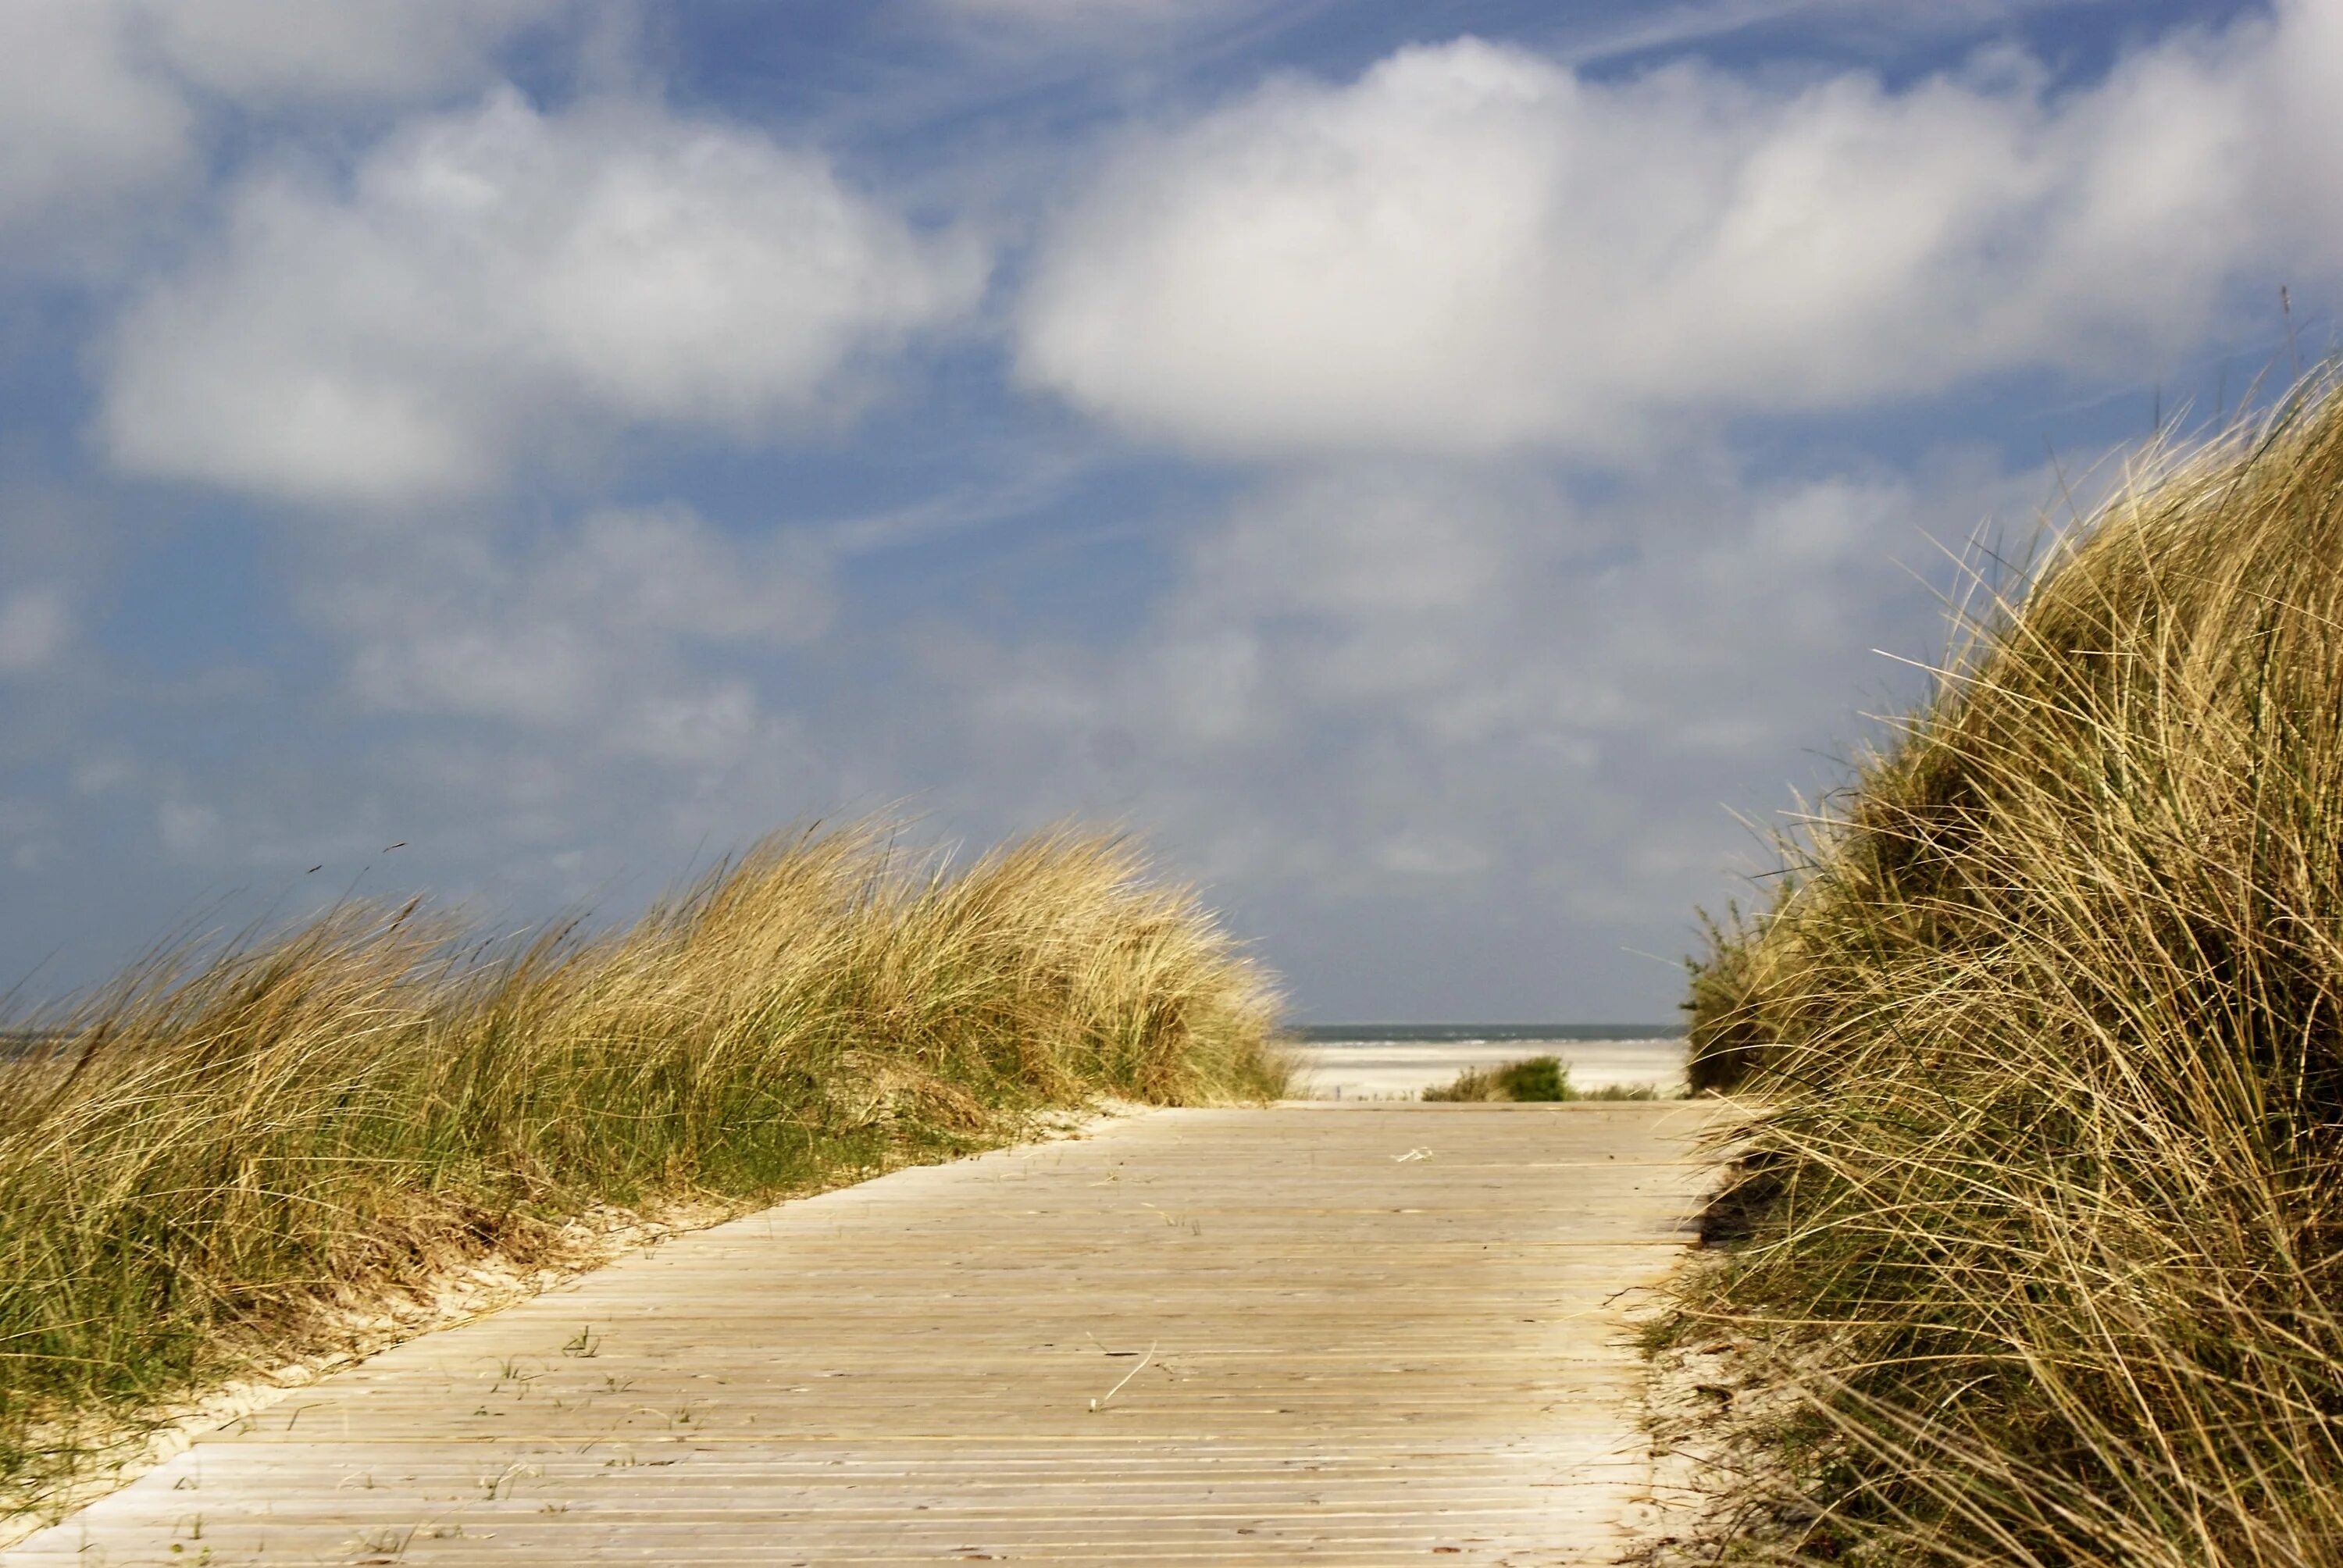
[{"x": 1539, "y": 1077}]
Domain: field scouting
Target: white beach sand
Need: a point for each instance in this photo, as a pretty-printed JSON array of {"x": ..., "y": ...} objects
[{"x": 1401, "y": 1069}]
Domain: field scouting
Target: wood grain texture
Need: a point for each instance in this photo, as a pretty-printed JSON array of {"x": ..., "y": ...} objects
[{"x": 1362, "y": 1335}]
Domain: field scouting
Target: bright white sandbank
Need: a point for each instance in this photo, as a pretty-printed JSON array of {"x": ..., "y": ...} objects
[{"x": 1401, "y": 1069}]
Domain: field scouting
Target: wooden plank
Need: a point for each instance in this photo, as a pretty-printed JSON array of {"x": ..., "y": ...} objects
[{"x": 1368, "y": 1334}]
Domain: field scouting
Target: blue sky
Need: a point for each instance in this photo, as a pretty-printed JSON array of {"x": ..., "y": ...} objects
[{"x": 1427, "y": 467}]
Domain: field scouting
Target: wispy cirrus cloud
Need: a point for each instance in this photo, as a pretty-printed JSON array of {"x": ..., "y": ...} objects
[{"x": 352, "y": 52}]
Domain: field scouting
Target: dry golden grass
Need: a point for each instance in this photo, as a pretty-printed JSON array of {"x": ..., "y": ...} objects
[
  {"x": 222, "y": 1144},
  {"x": 2046, "y": 1196}
]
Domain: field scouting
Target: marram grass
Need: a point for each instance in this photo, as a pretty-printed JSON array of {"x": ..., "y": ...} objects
[
  {"x": 2046, "y": 1032},
  {"x": 221, "y": 1144}
]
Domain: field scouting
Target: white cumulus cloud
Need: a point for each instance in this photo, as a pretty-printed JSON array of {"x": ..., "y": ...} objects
[
  {"x": 1471, "y": 247},
  {"x": 1358, "y": 665},
  {"x": 103, "y": 101},
  {"x": 499, "y": 279},
  {"x": 593, "y": 631},
  {"x": 35, "y": 624},
  {"x": 80, "y": 122}
]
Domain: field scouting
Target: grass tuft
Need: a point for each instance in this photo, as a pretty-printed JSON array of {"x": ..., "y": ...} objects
[
  {"x": 2044, "y": 1195},
  {"x": 220, "y": 1145}
]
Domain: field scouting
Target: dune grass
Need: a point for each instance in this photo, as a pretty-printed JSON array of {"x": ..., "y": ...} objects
[
  {"x": 2044, "y": 1206},
  {"x": 1533, "y": 1079},
  {"x": 223, "y": 1143}
]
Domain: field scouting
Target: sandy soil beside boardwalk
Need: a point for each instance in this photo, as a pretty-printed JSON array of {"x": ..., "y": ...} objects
[{"x": 1401, "y": 1069}]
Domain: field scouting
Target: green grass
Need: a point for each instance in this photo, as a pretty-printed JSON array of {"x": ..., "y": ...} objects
[
  {"x": 2044, "y": 1207},
  {"x": 1538, "y": 1078},
  {"x": 223, "y": 1144}
]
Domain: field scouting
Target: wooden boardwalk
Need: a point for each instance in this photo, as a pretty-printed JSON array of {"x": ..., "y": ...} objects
[{"x": 1362, "y": 1335}]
